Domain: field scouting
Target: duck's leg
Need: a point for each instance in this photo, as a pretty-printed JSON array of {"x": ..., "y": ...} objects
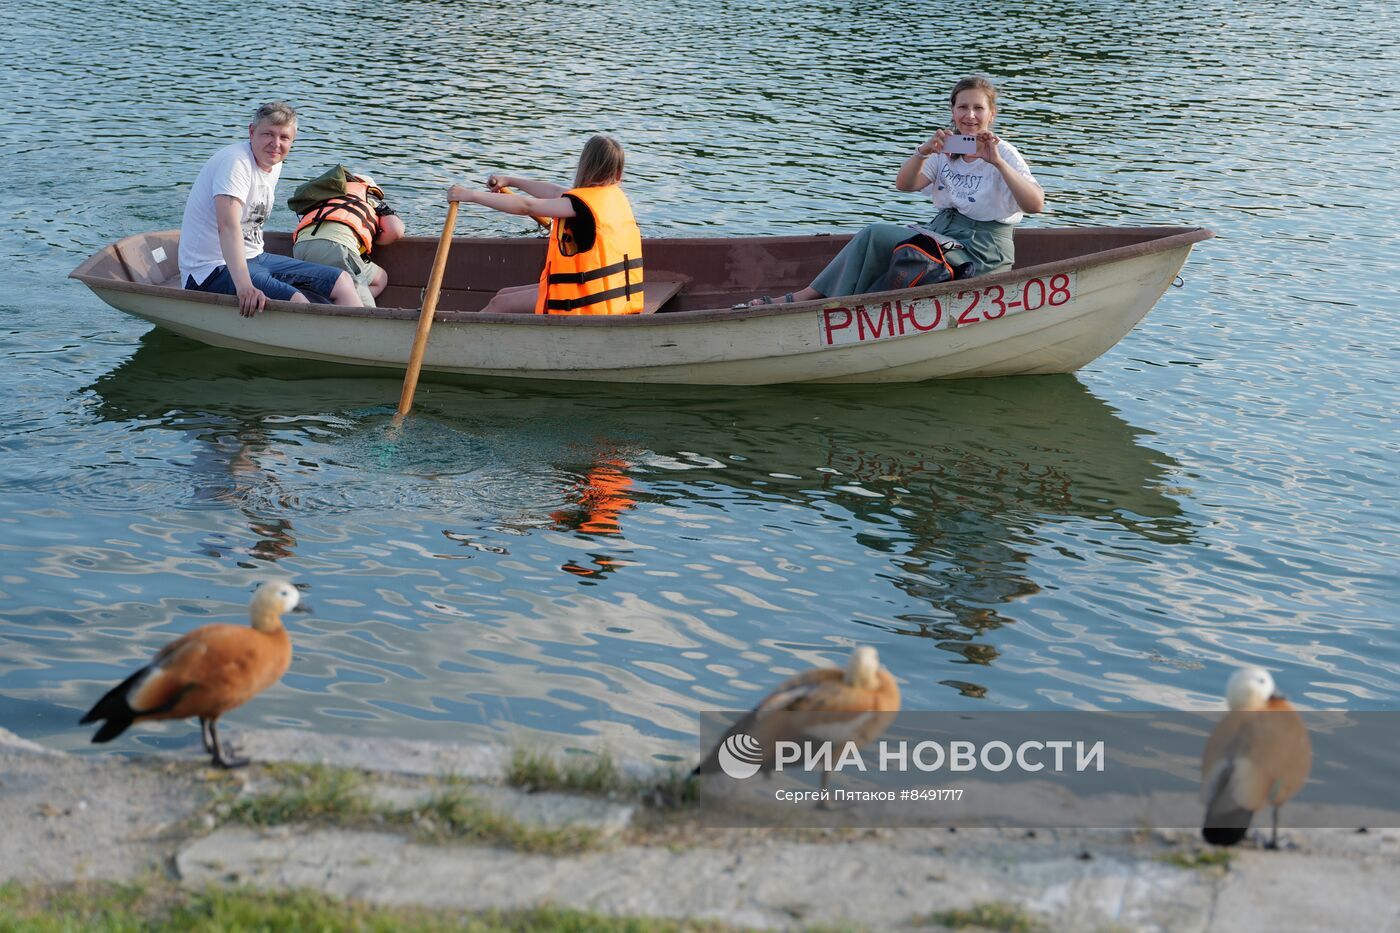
[
  {"x": 204, "y": 735},
  {"x": 220, "y": 761}
]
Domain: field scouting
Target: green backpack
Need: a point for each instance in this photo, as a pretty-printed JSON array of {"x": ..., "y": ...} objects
[{"x": 329, "y": 184}]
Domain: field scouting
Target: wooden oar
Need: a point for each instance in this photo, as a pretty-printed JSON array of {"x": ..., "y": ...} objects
[{"x": 425, "y": 317}]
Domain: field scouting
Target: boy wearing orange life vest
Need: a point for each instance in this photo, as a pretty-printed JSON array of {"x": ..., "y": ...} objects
[
  {"x": 342, "y": 232},
  {"x": 594, "y": 260}
]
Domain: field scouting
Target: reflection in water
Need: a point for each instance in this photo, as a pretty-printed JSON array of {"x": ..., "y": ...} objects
[
  {"x": 972, "y": 505},
  {"x": 954, "y": 485},
  {"x": 929, "y": 501},
  {"x": 243, "y": 453},
  {"x": 600, "y": 499}
]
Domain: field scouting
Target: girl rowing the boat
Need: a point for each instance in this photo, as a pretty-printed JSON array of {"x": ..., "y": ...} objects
[
  {"x": 980, "y": 197},
  {"x": 594, "y": 261}
]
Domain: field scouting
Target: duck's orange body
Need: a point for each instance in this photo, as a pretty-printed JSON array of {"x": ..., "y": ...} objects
[
  {"x": 210, "y": 671},
  {"x": 827, "y": 704},
  {"x": 1259, "y": 756},
  {"x": 205, "y": 673}
]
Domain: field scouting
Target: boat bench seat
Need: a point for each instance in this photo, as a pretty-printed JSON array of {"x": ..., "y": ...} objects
[
  {"x": 152, "y": 260},
  {"x": 661, "y": 287}
]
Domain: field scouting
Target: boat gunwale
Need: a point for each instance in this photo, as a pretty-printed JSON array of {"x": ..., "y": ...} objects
[{"x": 1165, "y": 241}]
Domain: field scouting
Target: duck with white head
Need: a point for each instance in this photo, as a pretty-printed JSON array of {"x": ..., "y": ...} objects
[
  {"x": 828, "y": 704},
  {"x": 205, "y": 673},
  {"x": 1259, "y": 756}
]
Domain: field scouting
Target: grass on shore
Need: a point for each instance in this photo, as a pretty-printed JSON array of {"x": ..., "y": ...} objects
[
  {"x": 600, "y": 775},
  {"x": 585, "y": 774},
  {"x": 453, "y": 814},
  {"x": 1200, "y": 858},
  {"x": 989, "y": 915},
  {"x": 161, "y": 907},
  {"x": 304, "y": 794},
  {"x": 325, "y": 795}
]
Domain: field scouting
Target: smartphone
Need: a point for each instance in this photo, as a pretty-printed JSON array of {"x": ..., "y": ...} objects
[{"x": 960, "y": 144}]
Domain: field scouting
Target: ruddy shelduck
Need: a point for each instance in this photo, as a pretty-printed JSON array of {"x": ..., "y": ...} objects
[
  {"x": 1258, "y": 756},
  {"x": 826, "y": 704},
  {"x": 206, "y": 673}
]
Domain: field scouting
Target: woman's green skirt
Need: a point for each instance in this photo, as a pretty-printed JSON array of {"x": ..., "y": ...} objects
[{"x": 987, "y": 244}]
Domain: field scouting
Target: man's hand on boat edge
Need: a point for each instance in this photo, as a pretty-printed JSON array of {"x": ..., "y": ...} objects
[{"x": 251, "y": 300}]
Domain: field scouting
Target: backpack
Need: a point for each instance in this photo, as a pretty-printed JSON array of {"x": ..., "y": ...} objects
[
  {"x": 920, "y": 260},
  {"x": 328, "y": 184}
]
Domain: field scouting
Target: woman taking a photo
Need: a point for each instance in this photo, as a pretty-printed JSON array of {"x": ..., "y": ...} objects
[{"x": 980, "y": 196}]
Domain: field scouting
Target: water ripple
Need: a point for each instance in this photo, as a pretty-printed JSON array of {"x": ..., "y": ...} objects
[{"x": 598, "y": 563}]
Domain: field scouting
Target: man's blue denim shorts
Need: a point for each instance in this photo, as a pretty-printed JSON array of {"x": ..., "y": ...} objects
[{"x": 279, "y": 277}]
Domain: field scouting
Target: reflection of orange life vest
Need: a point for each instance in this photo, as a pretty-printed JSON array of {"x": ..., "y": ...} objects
[
  {"x": 352, "y": 209},
  {"x": 603, "y": 279},
  {"x": 602, "y": 499}
]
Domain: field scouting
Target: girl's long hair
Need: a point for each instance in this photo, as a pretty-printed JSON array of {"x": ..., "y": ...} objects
[{"x": 600, "y": 164}]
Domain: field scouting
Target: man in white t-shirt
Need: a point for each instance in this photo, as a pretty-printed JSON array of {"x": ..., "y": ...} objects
[{"x": 221, "y": 238}]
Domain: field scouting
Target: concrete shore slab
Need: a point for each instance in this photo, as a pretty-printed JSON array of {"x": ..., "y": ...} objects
[
  {"x": 761, "y": 883},
  {"x": 67, "y": 817}
]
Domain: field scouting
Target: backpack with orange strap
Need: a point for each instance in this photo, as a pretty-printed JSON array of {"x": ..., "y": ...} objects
[{"x": 920, "y": 260}]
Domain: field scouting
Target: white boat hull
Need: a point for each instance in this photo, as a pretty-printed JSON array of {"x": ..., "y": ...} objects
[{"x": 1079, "y": 312}]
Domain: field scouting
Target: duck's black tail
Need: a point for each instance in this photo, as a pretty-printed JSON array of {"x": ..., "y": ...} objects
[
  {"x": 1224, "y": 835},
  {"x": 114, "y": 708},
  {"x": 1226, "y": 821}
]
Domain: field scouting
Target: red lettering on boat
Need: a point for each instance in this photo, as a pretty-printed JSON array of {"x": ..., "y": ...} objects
[
  {"x": 908, "y": 315},
  {"x": 828, "y": 314},
  {"x": 877, "y": 327}
]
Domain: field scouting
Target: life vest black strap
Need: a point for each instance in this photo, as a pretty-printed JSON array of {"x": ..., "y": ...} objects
[
  {"x": 579, "y": 278},
  {"x": 573, "y": 304},
  {"x": 360, "y": 208},
  {"x": 356, "y": 206}
]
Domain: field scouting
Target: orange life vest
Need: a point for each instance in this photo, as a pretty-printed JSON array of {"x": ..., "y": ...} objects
[
  {"x": 606, "y": 278},
  {"x": 352, "y": 209}
]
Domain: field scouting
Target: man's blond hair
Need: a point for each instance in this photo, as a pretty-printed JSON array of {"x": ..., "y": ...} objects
[{"x": 276, "y": 112}]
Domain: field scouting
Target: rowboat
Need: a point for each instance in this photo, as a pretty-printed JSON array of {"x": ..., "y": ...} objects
[{"x": 1073, "y": 294}]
